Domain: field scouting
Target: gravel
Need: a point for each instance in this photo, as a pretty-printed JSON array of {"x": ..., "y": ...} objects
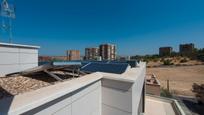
[
  {"x": 18, "y": 84},
  {"x": 10, "y": 86}
]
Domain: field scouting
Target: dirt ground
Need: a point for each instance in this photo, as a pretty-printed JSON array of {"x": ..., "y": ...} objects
[
  {"x": 176, "y": 61},
  {"x": 181, "y": 78}
]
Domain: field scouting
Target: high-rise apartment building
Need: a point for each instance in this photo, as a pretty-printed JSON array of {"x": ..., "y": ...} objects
[
  {"x": 91, "y": 53},
  {"x": 107, "y": 51},
  {"x": 186, "y": 49},
  {"x": 165, "y": 51},
  {"x": 73, "y": 55}
]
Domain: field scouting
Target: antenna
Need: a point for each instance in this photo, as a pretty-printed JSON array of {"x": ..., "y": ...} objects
[{"x": 8, "y": 14}]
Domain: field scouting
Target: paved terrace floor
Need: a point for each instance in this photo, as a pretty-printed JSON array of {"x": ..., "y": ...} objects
[{"x": 154, "y": 106}]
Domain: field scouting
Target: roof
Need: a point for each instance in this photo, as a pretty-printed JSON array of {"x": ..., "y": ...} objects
[
  {"x": 108, "y": 44},
  {"x": 19, "y": 45},
  {"x": 116, "y": 67}
]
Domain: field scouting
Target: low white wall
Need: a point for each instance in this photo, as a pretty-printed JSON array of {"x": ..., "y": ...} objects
[
  {"x": 15, "y": 58},
  {"x": 123, "y": 98},
  {"x": 137, "y": 90},
  {"x": 84, "y": 101},
  {"x": 153, "y": 89},
  {"x": 116, "y": 97}
]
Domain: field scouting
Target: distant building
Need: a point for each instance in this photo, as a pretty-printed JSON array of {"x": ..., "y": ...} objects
[
  {"x": 73, "y": 55},
  {"x": 59, "y": 58},
  {"x": 51, "y": 58},
  {"x": 107, "y": 51},
  {"x": 124, "y": 58},
  {"x": 186, "y": 49},
  {"x": 44, "y": 58},
  {"x": 91, "y": 53},
  {"x": 165, "y": 51}
]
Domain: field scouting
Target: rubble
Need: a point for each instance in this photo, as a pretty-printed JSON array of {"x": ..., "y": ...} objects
[
  {"x": 15, "y": 85},
  {"x": 11, "y": 86}
]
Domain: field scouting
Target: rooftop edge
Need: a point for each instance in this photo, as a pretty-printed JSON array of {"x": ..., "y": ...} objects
[{"x": 19, "y": 45}]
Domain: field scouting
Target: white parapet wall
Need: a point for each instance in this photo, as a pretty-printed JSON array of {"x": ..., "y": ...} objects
[
  {"x": 123, "y": 94},
  {"x": 16, "y": 57}
]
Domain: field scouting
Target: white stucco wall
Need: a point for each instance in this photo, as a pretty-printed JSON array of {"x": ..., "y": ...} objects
[
  {"x": 137, "y": 90},
  {"x": 116, "y": 97},
  {"x": 15, "y": 58},
  {"x": 84, "y": 101},
  {"x": 123, "y": 98}
]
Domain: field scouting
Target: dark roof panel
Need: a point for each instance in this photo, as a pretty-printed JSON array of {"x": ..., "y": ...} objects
[{"x": 117, "y": 68}]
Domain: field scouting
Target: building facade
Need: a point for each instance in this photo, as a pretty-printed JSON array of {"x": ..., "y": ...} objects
[
  {"x": 73, "y": 55},
  {"x": 52, "y": 58},
  {"x": 17, "y": 57},
  {"x": 91, "y": 53},
  {"x": 186, "y": 49},
  {"x": 107, "y": 51},
  {"x": 165, "y": 51}
]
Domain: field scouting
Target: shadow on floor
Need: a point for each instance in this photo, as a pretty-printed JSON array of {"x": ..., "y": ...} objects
[
  {"x": 5, "y": 101},
  {"x": 192, "y": 105}
]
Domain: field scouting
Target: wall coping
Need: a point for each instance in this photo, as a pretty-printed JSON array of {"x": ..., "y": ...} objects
[{"x": 19, "y": 45}]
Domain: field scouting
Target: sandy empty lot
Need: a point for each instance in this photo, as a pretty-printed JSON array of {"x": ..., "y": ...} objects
[{"x": 181, "y": 78}]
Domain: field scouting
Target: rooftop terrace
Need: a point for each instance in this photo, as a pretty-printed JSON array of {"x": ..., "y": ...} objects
[
  {"x": 156, "y": 105},
  {"x": 61, "y": 88}
]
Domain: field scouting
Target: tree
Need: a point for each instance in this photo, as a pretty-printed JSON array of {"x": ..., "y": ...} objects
[
  {"x": 199, "y": 53},
  {"x": 167, "y": 62}
]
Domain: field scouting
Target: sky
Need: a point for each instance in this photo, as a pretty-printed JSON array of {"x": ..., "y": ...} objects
[{"x": 137, "y": 27}]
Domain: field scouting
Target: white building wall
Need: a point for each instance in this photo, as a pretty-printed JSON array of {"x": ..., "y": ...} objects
[
  {"x": 116, "y": 97},
  {"x": 15, "y": 58},
  {"x": 122, "y": 98},
  {"x": 137, "y": 91},
  {"x": 85, "y": 101}
]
